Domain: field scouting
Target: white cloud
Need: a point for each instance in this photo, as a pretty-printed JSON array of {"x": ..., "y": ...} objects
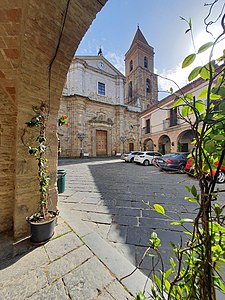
[{"x": 116, "y": 60}]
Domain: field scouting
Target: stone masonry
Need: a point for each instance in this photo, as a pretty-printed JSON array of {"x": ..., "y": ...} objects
[{"x": 37, "y": 43}]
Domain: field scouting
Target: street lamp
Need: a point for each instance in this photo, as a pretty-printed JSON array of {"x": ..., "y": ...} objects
[
  {"x": 81, "y": 137},
  {"x": 123, "y": 140}
]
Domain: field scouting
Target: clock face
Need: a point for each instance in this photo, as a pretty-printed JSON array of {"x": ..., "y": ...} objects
[{"x": 101, "y": 65}]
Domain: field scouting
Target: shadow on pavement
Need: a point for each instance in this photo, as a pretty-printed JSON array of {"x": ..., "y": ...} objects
[{"x": 111, "y": 195}]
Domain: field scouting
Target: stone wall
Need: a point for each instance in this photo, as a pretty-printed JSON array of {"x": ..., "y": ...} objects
[
  {"x": 87, "y": 116},
  {"x": 36, "y": 49}
]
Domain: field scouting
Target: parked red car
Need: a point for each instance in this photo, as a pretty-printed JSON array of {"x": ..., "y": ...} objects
[{"x": 190, "y": 168}]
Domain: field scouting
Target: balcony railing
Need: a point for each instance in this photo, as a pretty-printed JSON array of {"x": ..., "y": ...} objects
[
  {"x": 146, "y": 130},
  {"x": 166, "y": 124}
]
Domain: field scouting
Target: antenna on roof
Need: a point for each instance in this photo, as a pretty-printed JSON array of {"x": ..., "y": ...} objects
[{"x": 100, "y": 52}]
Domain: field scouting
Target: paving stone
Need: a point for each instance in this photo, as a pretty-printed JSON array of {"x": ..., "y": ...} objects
[
  {"x": 127, "y": 251},
  {"x": 92, "y": 208},
  {"x": 139, "y": 204},
  {"x": 148, "y": 213},
  {"x": 97, "y": 217},
  {"x": 22, "y": 264},
  {"x": 56, "y": 291},
  {"x": 122, "y": 203},
  {"x": 116, "y": 262},
  {"x": 157, "y": 223},
  {"x": 128, "y": 211},
  {"x": 105, "y": 296},
  {"x": 67, "y": 263},
  {"x": 101, "y": 229},
  {"x": 23, "y": 286},
  {"x": 117, "y": 233},
  {"x": 86, "y": 281},
  {"x": 117, "y": 291},
  {"x": 138, "y": 236},
  {"x": 60, "y": 246},
  {"x": 73, "y": 218},
  {"x": 61, "y": 229},
  {"x": 124, "y": 220}
]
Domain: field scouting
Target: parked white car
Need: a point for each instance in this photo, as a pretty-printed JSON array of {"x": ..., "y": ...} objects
[
  {"x": 145, "y": 158},
  {"x": 129, "y": 156}
]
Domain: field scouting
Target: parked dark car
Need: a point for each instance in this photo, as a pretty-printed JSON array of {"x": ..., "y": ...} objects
[{"x": 172, "y": 161}]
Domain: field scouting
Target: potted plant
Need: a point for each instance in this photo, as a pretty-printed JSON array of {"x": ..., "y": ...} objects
[
  {"x": 61, "y": 174},
  {"x": 42, "y": 222}
]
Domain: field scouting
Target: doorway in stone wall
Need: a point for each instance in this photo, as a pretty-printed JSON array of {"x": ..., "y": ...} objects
[
  {"x": 101, "y": 142},
  {"x": 131, "y": 146}
]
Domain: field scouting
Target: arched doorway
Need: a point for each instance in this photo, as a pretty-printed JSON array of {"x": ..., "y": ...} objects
[
  {"x": 164, "y": 144},
  {"x": 184, "y": 141},
  {"x": 148, "y": 145}
]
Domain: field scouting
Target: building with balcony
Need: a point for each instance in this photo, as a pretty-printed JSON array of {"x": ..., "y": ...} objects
[{"x": 163, "y": 129}]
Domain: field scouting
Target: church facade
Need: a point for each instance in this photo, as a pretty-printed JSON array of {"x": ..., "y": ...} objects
[{"x": 103, "y": 105}]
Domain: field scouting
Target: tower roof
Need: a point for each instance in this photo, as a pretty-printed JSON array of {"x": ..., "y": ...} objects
[{"x": 139, "y": 37}]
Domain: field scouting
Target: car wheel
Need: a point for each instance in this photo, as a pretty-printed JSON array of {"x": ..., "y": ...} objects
[
  {"x": 221, "y": 177},
  {"x": 146, "y": 163},
  {"x": 182, "y": 169},
  {"x": 132, "y": 160}
]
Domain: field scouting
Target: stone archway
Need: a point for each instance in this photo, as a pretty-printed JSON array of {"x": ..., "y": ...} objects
[
  {"x": 164, "y": 144},
  {"x": 148, "y": 145},
  {"x": 38, "y": 44},
  {"x": 184, "y": 141}
]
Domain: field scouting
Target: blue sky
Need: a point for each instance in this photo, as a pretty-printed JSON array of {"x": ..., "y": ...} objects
[{"x": 159, "y": 20}]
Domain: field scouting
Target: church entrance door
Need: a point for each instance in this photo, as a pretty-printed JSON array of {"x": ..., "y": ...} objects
[{"x": 101, "y": 142}]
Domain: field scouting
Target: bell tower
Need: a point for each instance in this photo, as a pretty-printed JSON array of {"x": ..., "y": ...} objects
[{"x": 141, "y": 88}]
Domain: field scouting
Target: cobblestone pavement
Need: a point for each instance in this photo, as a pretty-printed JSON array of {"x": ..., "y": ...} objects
[
  {"x": 100, "y": 236},
  {"x": 109, "y": 195},
  {"x": 70, "y": 266}
]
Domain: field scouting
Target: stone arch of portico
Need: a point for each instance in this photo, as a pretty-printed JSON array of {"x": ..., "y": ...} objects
[
  {"x": 184, "y": 140},
  {"x": 148, "y": 144},
  {"x": 39, "y": 45},
  {"x": 164, "y": 144}
]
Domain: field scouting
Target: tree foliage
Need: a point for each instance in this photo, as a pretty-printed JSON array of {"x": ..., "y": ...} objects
[{"x": 197, "y": 271}]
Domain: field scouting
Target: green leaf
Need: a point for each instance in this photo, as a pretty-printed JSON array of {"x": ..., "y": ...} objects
[
  {"x": 221, "y": 91},
  {"x": 175, "y": 223},
  {"x": 140, "y": 296},
  {"x": 167, "y": 284},
  {"x": 210, "y": 146},
  {"x": 204, "y": 73},
  {"x": 193, "y": 191},
  {"x": 159, "y": 208},
  {"x": 222, "y": 107},
  {"x": 178, "y": 102},
  {"x": 187, "y": 188},
  {"x": 172, "y": 262},
  {"x": 214, "y": 97},
  {"x": 168, "y": 272},
  {"x": 186, "y": 220},
  {"x": 188, "y": 60},
  {"x": 200, "y": 106},
  {"x": 194, "y": 73},
  {"x": 157, "y": 281},
  {"x": 205, "y": 47},
  {"x": 219, "y": 137},
  {"x": 203, "y": 93},
  {"x": 185, "y": 110}
]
